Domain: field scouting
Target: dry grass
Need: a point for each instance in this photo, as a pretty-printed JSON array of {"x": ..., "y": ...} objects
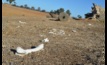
[{"x": 85, "y": 46}]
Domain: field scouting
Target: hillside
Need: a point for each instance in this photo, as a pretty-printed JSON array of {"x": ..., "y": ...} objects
[
  {"x": 8, "y": 10},
  {"x": 72, "y": 42}
]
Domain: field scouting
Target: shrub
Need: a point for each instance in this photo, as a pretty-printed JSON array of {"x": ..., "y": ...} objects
[
  {"x": 43, "y": 11},
  {"x": 79, "y": 16},
  {"x": 68, "y": 12}
]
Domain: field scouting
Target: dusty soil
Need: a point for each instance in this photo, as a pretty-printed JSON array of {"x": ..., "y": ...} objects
[{"x": 82, "y": 44}]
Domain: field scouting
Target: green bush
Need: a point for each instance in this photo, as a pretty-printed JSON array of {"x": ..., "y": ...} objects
[{"x": 68, "y": 12}]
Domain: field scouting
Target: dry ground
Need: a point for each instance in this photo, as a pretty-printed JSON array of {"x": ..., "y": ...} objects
[{"x": 83, "y": 47}]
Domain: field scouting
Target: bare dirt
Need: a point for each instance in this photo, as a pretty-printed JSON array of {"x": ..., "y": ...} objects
[{"x": 82, "y": 44}]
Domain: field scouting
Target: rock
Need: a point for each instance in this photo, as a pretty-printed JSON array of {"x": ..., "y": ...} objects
[
  {"x": 89, "y": 24},
  {"x": 3, "y": 46},
  {"x": 63, "y": 16},
  {"x": 57, "y": 32},
  {"x": 45, "y": 40},
  {"x": 98, "y": 53},
  {"x": 97, "y": 12},
  {"x": 74, "y": 31},
  {"x": 22, "y": 22}
]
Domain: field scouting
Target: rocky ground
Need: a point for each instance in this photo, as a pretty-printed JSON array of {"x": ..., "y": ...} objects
[{"x": 74, "y": 42}]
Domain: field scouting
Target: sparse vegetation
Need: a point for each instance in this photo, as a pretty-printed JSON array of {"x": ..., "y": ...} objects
[
  {"x": 43, "y": 11},
  {"x": 10, "y": 1},
  {"x": 82, "y": 41},
  {"x": 21, "y": 6},
  {"x": 26, "y": 6},
  {"x": 51, "y": 11},
  {"x": 39, "y": 9},
  {"x": 32, "y": 8},
  {"x": 58, "y": 11},
  {"x": 61, "y": 10},
  {"x": 75, "y": 18}
]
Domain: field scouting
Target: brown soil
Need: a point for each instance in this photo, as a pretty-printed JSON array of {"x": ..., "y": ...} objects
[{"x": 83, "y": 47}]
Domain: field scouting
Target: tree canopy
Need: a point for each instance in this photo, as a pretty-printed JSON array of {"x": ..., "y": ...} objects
[
  {"x": 68, "y": 12},
  {"x": 10, "y": 1}
]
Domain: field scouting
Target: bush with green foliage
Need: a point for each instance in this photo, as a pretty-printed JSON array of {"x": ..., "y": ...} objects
[
  {"x": 58, "y": 11},
  {"x": 32, "y": 8},
  {"x": 25, "y": 6},
  {"x": 21, "y": 6},
  {"x": 10, "y": 1},
  {"x": 43, "y": 11},
  {"x": 75, "y": 18},
  {"x": 51, "y": 11},
  {"x": 87, "y": 15},
  {"x": 79, "y": 16},
  {"x": 68, "y": 12},
  {"x": 61, "y": 10}
]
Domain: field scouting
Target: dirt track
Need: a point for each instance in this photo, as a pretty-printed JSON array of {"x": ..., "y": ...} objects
[{"x": 82, "y": 44}]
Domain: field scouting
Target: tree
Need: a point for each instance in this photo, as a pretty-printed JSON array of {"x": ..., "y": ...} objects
[
  {"x": 75, "y": 18},
  {"x": 43, "y": 11},
  {"x": 51, "y": 11},
  {"x": 21, "y": 6},
  {"x": 25, "y": 6},
  {"x": 32, "y": 8},
  {"x": 79, "y": 16},
  {"x": 87, "y": 15},
  {"x": 14, "y": 4},
  {"x": 57, "y": 11},
  {"x": 39, "y": 9},
  {"x": 7, "y": 0},
  {"x": 61, "y": 10},
  {"x": 68, "y": 12},
  {"x": 10, "y": 1}
]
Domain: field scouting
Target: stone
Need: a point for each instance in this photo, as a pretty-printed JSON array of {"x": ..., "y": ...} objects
[{"x": 97, "y": 12}]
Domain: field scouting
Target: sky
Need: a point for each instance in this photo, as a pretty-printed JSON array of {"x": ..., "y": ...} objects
[{"x": 76, "y": 7}]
